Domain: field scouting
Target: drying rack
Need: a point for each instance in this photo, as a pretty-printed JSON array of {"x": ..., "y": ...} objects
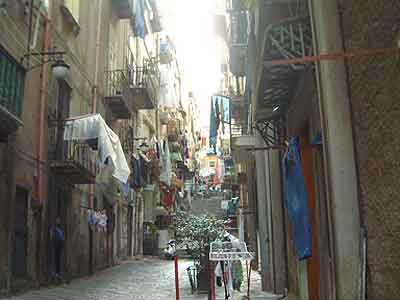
[{"x": 232, "y": 251}]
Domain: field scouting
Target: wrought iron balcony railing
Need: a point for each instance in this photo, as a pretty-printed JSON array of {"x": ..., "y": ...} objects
[
  {"x": 145, "y": 82},
  {"x": 118, "y": 95},
  {"x": 77, "y": 162}
]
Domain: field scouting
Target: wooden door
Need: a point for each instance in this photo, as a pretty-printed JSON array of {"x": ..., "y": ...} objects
[
  {"x": 130, "y": 230},
  {"x": 308, "y": 171}
]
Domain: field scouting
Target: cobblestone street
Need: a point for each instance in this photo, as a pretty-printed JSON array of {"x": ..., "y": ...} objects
[
  {"x": 134, "y": 280},
  {"x": 146, "y": 279}
]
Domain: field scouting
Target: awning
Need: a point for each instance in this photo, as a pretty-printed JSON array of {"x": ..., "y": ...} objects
[{"x": 91, "y": 127}]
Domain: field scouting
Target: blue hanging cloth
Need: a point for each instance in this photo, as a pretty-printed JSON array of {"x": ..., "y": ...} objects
[
  {"x": 296, "y": 199},
  {"x": 139, "y": 18},
  {"x": 214, "y": 124}
]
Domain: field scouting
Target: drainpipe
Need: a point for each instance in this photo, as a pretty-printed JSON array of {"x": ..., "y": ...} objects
[
  {"x": 40, "y": 145},
  {"x": 42, "y": 104},
  {"x": 97, "y": 58},
  {"x": 339, "y": 157},
  {"x": 96, "y": 85}
]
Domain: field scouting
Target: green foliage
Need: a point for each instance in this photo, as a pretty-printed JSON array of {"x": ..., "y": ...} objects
[{"x": 196, "y": 232}]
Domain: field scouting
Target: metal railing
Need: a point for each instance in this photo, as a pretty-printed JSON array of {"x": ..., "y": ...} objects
[
  {"x": 237, "y": 129},
  {"x": 82, "y": 155},
  {"x": 145, "y": 77},
  {"x": 126, "y": 136},
  {"x": 239, "y": 27},
  {"x": 115, "y": 80}
]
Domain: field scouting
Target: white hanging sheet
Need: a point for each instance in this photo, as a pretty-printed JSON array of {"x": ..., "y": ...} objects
[
  {"x": 92, "y": 127},
  {"x": 166, "y": 167},
  {"x": 168, "y": 96}
]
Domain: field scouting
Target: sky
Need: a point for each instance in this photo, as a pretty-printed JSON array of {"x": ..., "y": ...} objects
[{"x": 190, "y": 24}]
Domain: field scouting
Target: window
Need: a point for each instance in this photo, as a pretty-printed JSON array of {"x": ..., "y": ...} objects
[
  {"x": 12, "y": 81},
  {"x": 73, "y": 7},
  {"x": 211, "y": 164}
]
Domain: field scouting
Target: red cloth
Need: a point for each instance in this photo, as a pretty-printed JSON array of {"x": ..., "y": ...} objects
[{"x": 168, "y": 200}]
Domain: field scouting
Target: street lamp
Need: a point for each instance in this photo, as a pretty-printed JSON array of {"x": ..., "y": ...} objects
[{"x": 60, "y": 68}]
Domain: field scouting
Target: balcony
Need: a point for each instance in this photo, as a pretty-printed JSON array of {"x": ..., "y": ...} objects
[
  {"x": 77, "y": 163},
  {"x": 118, "y": 95},
  {"x": 126, "y": 136},
  {"x": 238, "y": 108},
  {"x": 12, "y": 81},
  {"x": 123, "y": 8},
  {"x": 238, "y": 38},
  {"x": 145, "y": 85}
]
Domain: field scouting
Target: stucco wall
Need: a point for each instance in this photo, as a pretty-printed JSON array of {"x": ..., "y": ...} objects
[{"x": 375, "y": 90}]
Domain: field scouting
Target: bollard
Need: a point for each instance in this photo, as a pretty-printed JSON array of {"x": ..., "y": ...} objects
[{"x": 176, "y": 277}]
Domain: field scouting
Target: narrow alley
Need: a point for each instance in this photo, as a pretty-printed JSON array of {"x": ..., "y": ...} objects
[{"x": 254, "y": 142}]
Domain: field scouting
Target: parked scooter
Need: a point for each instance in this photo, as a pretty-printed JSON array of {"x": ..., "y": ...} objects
[{"x": 170, "y": 250}]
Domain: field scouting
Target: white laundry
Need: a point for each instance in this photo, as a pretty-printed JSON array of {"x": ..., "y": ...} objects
[{"x": 92, "y": 127}]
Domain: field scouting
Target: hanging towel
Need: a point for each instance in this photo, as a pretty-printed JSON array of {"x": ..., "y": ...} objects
[{"x": 296, "y": 199}]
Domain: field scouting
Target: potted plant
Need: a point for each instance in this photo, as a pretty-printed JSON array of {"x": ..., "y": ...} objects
[{"x": 196, "y": 232}]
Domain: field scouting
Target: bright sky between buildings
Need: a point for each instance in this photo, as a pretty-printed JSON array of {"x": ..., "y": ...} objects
[{"x": 190, "y": 25}]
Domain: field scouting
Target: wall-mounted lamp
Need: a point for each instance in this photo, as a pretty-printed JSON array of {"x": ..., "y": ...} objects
[{"x": 59, "y": 68}]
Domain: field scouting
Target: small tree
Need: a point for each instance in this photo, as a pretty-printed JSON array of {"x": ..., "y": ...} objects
[{"x": 197, "y": 232}]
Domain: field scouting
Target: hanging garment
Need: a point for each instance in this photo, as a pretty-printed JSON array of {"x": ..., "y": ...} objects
[
  {"x": 94, "y": 127},
  {"x": 140, "y": 29},
  {"x": 214, "y": 124},
  {"x": 125, "y": 190},
  {"x": 237, "y": 275},
  {"x": 296, "y": 199},
  {"x": 218, "y": 273},
  {"x": 166, "y": 168},
  {"x": 144, "y": 171},
  {"x": 168, "y": 95},
  {"x": 136, "y": 181},
  {"x": 168, "y": 200}
]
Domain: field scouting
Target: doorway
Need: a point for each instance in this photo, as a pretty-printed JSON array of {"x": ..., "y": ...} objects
[
  {"x": 130, "y": 230},
  {"x": 313, "y": 263},
  {"x": 20, "y": 247}
]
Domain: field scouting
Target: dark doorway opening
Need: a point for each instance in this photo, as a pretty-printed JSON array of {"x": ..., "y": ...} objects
[{"x": 20, "y": 247}]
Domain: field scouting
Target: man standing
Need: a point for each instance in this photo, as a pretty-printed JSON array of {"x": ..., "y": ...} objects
[{"x": 58, "y": 238}]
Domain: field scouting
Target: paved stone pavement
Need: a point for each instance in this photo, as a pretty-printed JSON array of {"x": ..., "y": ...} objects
[{"x": 145, "y": 279}]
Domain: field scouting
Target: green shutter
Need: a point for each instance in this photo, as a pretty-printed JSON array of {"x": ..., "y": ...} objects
[{"x": 12, "y": 79}]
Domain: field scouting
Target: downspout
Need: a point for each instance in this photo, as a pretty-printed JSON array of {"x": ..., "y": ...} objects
[
  {"x": 363, "y": 287},
  {"x": 42, "y": 104},
  {"x": 96, "y": 86},
  {"x": 94, "y": 109},
  {"x": 40, "y": 145},
  {"x": 97, "y": 58}
]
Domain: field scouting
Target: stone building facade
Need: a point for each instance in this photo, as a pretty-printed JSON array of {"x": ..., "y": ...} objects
[
  {"x": 345, "y": 114},
  {"x": 99, "y": 43}
]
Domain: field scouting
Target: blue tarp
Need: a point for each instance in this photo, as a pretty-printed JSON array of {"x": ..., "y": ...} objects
[{"x": 296, "y": 199}]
